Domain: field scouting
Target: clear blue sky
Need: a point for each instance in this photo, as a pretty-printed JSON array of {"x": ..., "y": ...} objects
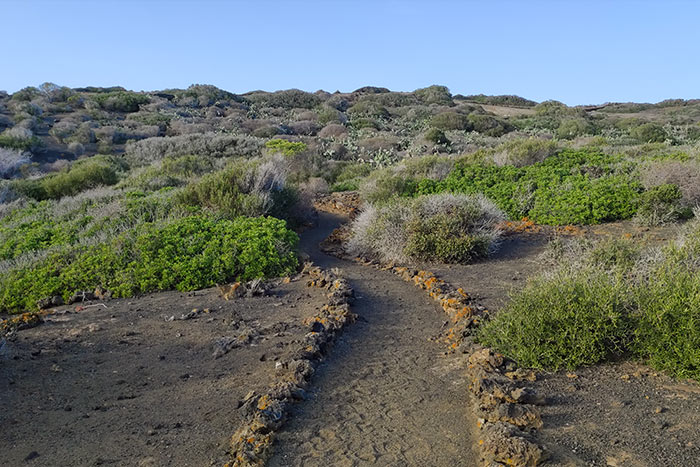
[{"x": 579, "y": 52}]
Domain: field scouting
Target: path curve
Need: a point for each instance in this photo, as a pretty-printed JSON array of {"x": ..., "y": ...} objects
[{"x": 387, "y": 394}]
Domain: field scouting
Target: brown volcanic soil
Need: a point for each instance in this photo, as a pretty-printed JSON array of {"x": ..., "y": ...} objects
[
  {"x": 123, "y": 386},
  {"x": 605, "y": 414}
]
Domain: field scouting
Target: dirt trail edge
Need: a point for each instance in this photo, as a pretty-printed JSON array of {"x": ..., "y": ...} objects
[{"x": 387, "y": 394}]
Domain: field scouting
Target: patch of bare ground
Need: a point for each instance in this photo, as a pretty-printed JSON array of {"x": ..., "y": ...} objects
[
  {"x": 505, "y": 111},
  {"x": 137, "y": 383}
]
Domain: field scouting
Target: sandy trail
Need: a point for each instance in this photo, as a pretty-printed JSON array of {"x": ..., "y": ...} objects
[{"x": 386, "y": 395}]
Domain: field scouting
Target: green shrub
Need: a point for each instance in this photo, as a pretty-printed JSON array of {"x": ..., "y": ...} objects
[
  {"x": 82, "y": 175},
  {"x": 576, "y": 317},
  {"x": 668, "y": 322},
  {"x": 328, "y": 115},
  {"x": 187, "y": 166},
  {"x": 605, "y": 300},
  {"x": 241, "y": 189},
  {"x": 436, "y": 136},
  {"x": 489, "y": 125},
  {"x": 439, "y": 95},
  {"x": 187, "y": 254},
  {"x": 121, "y": 101},
  {"x": 649, "y": 133},
  {"x": 360, "y": 123},
  {"x": 350, "y": 176},
  {"x": 451, "y": 121},
  {"x": 287, "y": 99},
  {"x": 368, "y": 109},
  {"x": 21, "y": 144},
  {"x": 505, "y": 100},
  {"x": 288, "y": 148},
  {"x": 571, "y": 128}
]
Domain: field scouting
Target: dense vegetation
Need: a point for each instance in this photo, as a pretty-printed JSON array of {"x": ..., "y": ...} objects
[
  {"x": 186, "y": 254},
  {"x": 184, "y": 188},
  {"x": 605, "y": 300}
]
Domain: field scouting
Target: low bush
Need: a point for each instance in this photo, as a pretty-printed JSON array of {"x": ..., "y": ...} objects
[
  {"x": 571, "y": 318},
  {"x": 571, "y": 128},
  {"x": 214, "y": 145},
  {"x": 685, "y": 174},
  {"x": 447, "y": 228},
  {"x": 9, "y": 140},
  {"x": 509, "y": 101},
  {"x": 439, "y": 95},
  {"x": 489, "y": 125},
  {"x": 11, "y": 160},
  {"x": 288, "y": 99},
  {"x": 350, "y": 177},
  {"x": 187, "y": 254},
  {"x": 649, "y": 133},
  {"x": 368, "y": 109},
  {"x": 451, "y": 121},
  {"x": 121, "y": 101},
  {"x": 436, "y": 136},
  {"x": 667, "y": 333}
]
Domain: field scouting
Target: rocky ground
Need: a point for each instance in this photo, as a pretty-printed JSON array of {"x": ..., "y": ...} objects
[{"x": 138, "y": 381}]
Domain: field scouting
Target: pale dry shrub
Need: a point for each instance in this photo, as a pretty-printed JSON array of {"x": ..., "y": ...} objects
[
  {"x": 304, "y": 127},
  {"x": 11, "y": 160},
  {"x": 63, "y": 130},
  {"x": 684, "y": 174},
  {"x": 378, "y": 231},
  {"x": 76, "y": 148},
  {"x": 19, "y": 132},
  {"x": 427, "y": 228},
  {"x": 209, "y": 144},
  {"x": 314, "y": 186},
  {"x": 333, "y": 130}
]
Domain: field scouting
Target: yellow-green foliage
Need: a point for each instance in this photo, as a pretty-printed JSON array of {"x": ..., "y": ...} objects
[{"x": 288, "y": 148}]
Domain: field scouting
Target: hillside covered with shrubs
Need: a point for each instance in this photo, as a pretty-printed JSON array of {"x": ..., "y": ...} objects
[{"x": 185, "y": 188}]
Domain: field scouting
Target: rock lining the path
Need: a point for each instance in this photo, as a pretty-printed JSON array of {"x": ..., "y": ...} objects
[
  {"x": 506, "y": 408},
  {"x": 251, "y": 443}
]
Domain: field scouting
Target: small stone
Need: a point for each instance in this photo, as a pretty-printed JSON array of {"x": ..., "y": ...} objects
[
  {"x": 659, "y": 410},
  {"x": 32, "y": 455}
]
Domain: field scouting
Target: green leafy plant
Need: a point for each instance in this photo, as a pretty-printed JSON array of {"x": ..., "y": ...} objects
[{"x": 186, "y": 254}]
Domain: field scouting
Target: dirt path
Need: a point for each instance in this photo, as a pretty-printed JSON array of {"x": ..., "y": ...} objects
[{"x": 386, "y": 395}]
